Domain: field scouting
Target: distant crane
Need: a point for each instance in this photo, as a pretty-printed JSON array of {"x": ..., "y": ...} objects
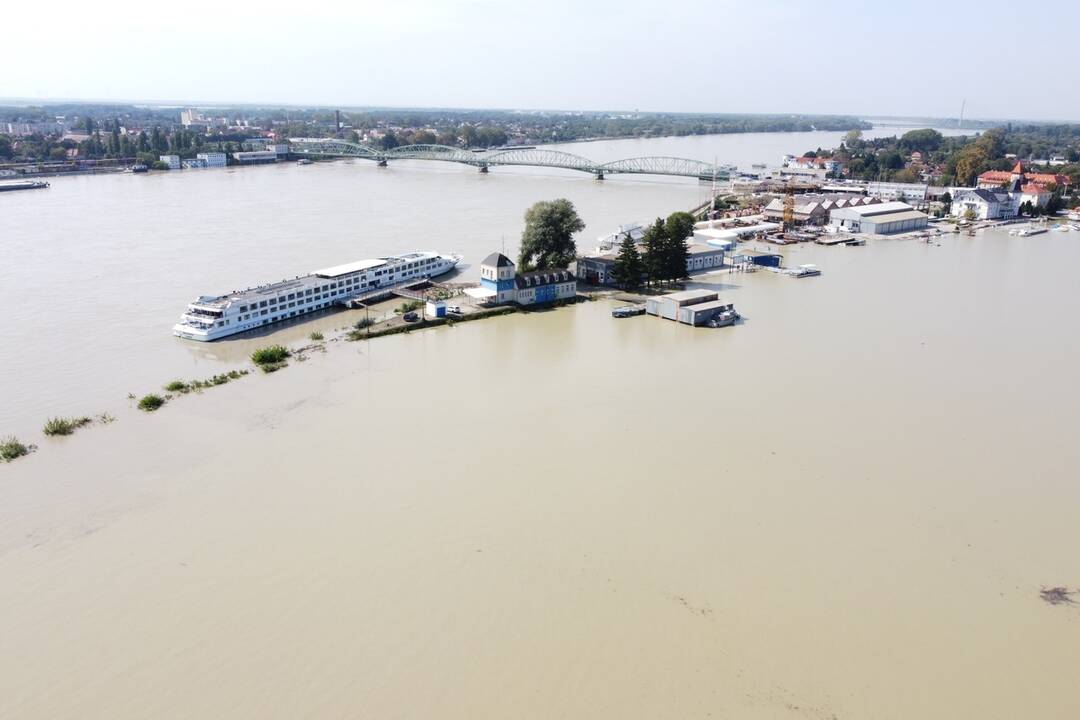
[{"x": 789, "y": 209}]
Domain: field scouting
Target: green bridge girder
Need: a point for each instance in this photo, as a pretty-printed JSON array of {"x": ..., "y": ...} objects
[{"x": 523, "y": 157}]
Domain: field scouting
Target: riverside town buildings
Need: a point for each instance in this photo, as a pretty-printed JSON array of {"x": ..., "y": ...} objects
[{"x": 1035, "y": 188}]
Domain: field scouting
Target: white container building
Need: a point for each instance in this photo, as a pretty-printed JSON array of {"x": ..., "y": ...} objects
[
  {"x": 667, "y": 306},
  {"x": 700, "y": 313}
]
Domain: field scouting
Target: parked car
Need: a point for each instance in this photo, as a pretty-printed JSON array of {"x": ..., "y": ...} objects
[
  {"x": 410, "y": 317},
  {"x": 456, "y": 309}
]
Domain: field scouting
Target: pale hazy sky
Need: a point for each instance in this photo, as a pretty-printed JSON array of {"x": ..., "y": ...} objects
[{"x": 913, "y": 57}]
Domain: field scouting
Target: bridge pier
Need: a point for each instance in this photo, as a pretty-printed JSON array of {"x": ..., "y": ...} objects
[
  {"x": 483, "y": 168},
  {"x": 599, "y": 176},
  {"x": 382, "y": 163}
]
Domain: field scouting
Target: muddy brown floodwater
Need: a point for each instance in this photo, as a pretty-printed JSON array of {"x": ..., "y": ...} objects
[
  {"x": 849, "y": 506},
  {"x": 845, "y": 507}
]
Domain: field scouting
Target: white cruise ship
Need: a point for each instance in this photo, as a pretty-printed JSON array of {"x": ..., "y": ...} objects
[{"x": 213, "y": 317}]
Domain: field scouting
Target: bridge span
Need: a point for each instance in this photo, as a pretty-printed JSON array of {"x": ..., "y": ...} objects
[{"x": 522, "y": 157}]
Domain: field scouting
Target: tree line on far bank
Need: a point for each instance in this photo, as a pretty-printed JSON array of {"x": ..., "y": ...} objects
[{"x": 547, "y": 242}]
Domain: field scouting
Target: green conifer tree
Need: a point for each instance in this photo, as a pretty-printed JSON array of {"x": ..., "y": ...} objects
[
  {"x": 653, "y": 256},
  {"x": 629, "y": 266}
]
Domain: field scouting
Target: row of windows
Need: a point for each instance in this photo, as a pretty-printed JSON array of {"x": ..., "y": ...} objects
[
  {"x": 274, "y": 318},
  {"x": 355, "y": 281}
]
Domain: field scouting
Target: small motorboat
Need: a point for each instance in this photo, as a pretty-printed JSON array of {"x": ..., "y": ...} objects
[
  {"x": 802, "y": 271},
  {"x": 628, "y": 311},
  {"x": 724, "y": 318}
]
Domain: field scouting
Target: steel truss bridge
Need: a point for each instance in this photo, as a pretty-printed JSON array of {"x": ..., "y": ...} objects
[{"x": 525, "y": 157}]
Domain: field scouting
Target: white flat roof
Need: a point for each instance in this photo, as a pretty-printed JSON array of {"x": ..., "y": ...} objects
[
  {"x": 733, "y": 233},
  {"x": 480, "y": 293},
  {"x": 706, "y": 306},
  {"x": 866, "y": 211},
  {"x": 688, "y": 295},
  {"x": 339, "y": 270},
  {"x": 897, "y": 216},
  {"x": 715, "y": 232}
]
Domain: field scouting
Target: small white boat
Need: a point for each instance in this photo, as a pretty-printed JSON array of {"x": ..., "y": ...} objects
[
  {"x": 1029, "y": 231},
  {"x": 628, "y": 311},
  {"x": 304, "y": 161},
  {"x": 801, "y": 271},
  {"x": 725, "y": 318}
]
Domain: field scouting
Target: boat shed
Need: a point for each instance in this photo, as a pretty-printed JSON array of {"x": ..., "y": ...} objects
[
  {"x": 884, "y": 219},
  {"x": 667, "y": 306},
  {"x": 758, "y": 257},
  {"x": 700, "y": 313}
]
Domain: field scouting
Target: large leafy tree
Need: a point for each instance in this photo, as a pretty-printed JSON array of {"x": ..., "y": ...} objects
[
  {"x": 629, "y": 266},
  {"x": 548, "y": 238},
  {"x": 679, "y": 225}
]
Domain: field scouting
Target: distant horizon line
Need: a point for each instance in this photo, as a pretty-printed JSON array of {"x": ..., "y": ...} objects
[{"x": 169, "y": 104}]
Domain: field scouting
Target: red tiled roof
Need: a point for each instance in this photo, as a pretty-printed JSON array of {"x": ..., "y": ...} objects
[
  {"x": 1019, "y": 168},
  {"x": 1034, "y": 189},
  {"x": 1048, "y": 178}
]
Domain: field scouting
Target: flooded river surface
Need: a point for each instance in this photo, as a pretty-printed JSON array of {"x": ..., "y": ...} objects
[{"x": 845, "y": 507}]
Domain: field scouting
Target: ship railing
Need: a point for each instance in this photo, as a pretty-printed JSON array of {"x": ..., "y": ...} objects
[{"x": 383, "y": 289}]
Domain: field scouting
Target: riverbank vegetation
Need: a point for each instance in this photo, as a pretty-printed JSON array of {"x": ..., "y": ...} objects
[
  {"x": 65, "y": 425},
  {"x": 184, "y": 387},
  {"x": 272, "y": 358},
  {"x": 150, "y": 402},
  {"x": 11, "y": 448}
]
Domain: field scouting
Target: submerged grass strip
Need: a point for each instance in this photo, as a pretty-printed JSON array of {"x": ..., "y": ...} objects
[
  {"x": 11, "y": 448},
  {"x": 271, "y": 358},
  {"x": 65, "y": 425},
  {"x": 151, "y": 402},
  {"x": 185, "y": 386}
]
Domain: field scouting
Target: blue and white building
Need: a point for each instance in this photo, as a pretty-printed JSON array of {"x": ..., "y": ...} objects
[
  {"x": 497, "y": 276},
  {"x": 500, "y": 283}
]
